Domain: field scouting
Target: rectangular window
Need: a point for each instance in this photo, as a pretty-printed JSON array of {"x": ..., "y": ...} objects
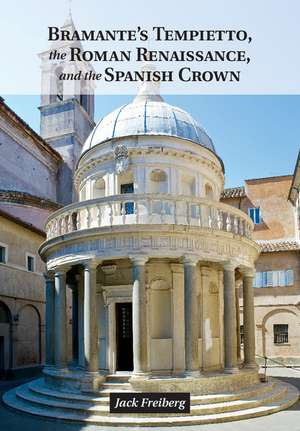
[
  {"x": 30, "y": 263},
  {"x": 281, "y": 334},
  {"x": 129, "y": 206},
  {"x": 280, "y": 278},
  {"x": 3, "y": 254},
  {"x": 254, "y": 214}
]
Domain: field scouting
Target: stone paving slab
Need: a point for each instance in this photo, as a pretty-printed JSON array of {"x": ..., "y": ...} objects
[{"x": 10, "y": 420}]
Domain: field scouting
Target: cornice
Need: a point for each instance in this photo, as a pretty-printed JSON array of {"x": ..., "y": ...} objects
[
  {"x": 23, "y": 198},
  {"x": 144, "y": 152}
]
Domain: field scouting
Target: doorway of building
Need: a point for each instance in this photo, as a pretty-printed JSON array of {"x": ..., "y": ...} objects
[{"x": 124, "y": 336}]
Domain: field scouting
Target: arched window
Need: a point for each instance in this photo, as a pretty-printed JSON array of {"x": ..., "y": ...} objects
[
  {"x": 4, "y": 313},
  {"x": 209, "y": 191},
  {"x": 158, "y": 181},
  {"x": 99, "y": 188}
]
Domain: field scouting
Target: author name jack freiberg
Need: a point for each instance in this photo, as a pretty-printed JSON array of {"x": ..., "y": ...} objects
[{"x": 147, "y": 403}]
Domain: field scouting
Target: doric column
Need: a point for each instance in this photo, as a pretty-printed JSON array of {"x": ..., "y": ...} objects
[
  {"x": 91, "y": 351},
  {"x": 205, "y": 311},
  {"x": 81, "y": 358},
  {"x": 238, "y": 324},
  {"x": 50, "y": 309},
  {"x": 191, "y": 321},
  {"x": 139, "y": 316},
  {"x": 75, "y": 320},
  {"x": 60, "y": 319},
  {"x": 230, "y": 342},
  {"x": 178, "y": 324},
  {"x": 249, "y": 323}
]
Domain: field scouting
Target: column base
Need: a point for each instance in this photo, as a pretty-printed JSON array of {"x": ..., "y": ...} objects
[
  {"x": 231, "y": 370},
  {"x": 192, "y": 373},
  {"x": 140, "y": 375},
  {"x": 91, "y": 382},
  {"x": 251, "y": 366}
]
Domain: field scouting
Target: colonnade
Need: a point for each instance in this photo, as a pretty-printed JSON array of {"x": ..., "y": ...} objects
[{"x": 56, "y": 317}]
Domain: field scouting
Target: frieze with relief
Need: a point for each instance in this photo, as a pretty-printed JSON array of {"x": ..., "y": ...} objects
[{"x": 182, "y": 244}]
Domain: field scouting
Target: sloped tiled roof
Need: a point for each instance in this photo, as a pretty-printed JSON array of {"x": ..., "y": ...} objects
[
  {"x": 273, "y": 246},
  {"x": 234, "y": 192}
]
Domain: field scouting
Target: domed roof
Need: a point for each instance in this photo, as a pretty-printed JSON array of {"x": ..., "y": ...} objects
[{"x": 148, "y": 115}]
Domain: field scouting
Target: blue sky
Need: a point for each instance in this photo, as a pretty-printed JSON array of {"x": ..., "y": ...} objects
[{"x": 256, "y": 136}]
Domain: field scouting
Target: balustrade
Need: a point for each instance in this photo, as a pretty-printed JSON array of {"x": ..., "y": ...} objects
[{"x": 148, "y": 209}]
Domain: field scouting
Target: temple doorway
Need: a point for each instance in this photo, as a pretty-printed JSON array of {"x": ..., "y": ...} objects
[{"x": 124, "y": 336}]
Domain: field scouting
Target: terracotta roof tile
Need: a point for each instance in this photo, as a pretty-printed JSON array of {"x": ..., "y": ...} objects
[
  {"x": 234, "y": 192},
  {"x": 273, "y": 246}
]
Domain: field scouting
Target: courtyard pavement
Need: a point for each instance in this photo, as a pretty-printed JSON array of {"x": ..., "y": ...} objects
[{"x": 288, "y": 420}]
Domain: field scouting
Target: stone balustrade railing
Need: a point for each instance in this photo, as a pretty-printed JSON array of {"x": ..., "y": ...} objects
[{"x": 132, "y": 209}]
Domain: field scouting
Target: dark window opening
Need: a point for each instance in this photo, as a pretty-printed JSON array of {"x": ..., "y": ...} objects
[
  {"x": 2, "y": 254},
  {"x": 281, "y": 334},
  {"x": 129, "y": 206},
  {"x": 30, "y": 263}
]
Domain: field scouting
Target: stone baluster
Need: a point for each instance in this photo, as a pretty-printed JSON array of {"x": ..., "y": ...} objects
[
  {"x": 228, "y": 223},
  {"x": 99, "y": 215}
]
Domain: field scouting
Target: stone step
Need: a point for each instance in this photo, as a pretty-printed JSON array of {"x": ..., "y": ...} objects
[
  {"x": 115, "y": 386},
  {"x": 289, "y": 399},
  {"x": 26, "y": 394},
  {"x": 38, "y": 387},
  {"x": 118, "y": 378}
]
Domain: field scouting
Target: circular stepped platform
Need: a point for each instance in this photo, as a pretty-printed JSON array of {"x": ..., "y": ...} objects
[{"x": 260, "y": 399}]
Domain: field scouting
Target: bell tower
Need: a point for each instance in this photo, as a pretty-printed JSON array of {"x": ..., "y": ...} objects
[{"x": 67, "y": 109}]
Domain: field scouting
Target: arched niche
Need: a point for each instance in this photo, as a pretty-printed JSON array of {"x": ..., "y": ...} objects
[
  {"x": 99, "y": 188},
  {"x": 158, "y": 181},
  {"x": 5, "y": 337},
  {"x": 209, "y": 193},
  {"x": 28, "y": 335},
  {"x": 188, "y": 185},
  {"x": 5, "y": 315}
]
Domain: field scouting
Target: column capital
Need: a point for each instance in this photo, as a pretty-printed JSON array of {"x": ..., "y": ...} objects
[
  {"x": 229, "y": 266},
  {"x": 61, "y": 271},
  {"x": 48, "y": 276},
  {"x": 247, "y": 272},
  {"x": 190, "y": 260},
  {"x": 91, "y": 264},
  {"x": 139, "y": 260},
  {"x": 205, "y": 270}
]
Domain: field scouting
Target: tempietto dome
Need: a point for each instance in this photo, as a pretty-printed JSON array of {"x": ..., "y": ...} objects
[
  {"x": 148, "y": 135},
  {"x": 148, "y": 116}
]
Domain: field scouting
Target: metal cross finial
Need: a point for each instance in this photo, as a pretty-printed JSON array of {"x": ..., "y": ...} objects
[{"x": 70, "y": 7}]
